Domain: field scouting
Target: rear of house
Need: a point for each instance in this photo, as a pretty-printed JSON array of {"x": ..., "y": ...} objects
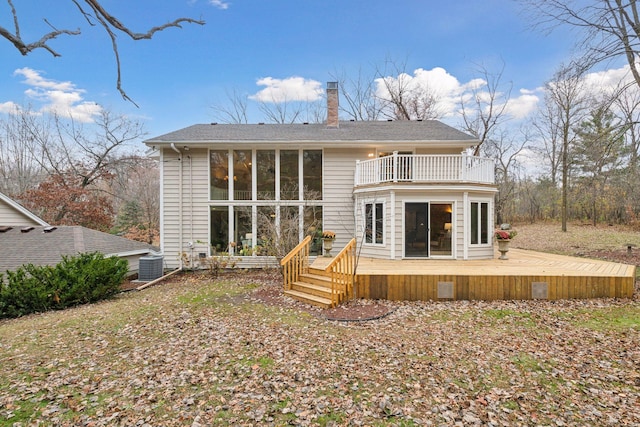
[{"x": 403, "y": 189}]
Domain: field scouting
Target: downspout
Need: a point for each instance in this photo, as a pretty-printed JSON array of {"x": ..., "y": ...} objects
[{"x": 174, "y": 148}]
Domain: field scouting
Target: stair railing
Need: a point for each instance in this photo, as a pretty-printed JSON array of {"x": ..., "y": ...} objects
[
  {"x": 296, "y": 263},
  {"x": 342, "y": 270}
]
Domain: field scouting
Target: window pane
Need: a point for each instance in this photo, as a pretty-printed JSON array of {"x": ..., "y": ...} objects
[
  {"x": 312, "y": 170},
  {"x": 484, "y": 223},
  {"x": 242, "y": 175},
  {"x": 368, "y": 223},
  {"x": 379, "y": 223},
  {"x": 313, "y": 227},
  {"x": 219, "y": 169},
  {"x": 219, "y": 228},
  {"x": 242, "y": 230},
  {"x": 474, "y": 223},
  {"x": 266, "y": 174},
  {"x": 289, "y": 175},
  {"x": 266, "y": 230},
  {"x": 289, "y": 228}
]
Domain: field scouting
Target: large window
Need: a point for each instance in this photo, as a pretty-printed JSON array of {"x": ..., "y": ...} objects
[
  {"x": 479, "y": 223},
  {"x": 374, "y": 223},
  {"x": 262, "y": 198}
]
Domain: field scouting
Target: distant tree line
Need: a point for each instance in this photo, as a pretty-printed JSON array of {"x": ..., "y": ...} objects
[{"x": 71, "y": 173}]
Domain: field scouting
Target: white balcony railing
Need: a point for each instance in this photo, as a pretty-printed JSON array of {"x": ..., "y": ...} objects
[{"x": 425, "y": 168}]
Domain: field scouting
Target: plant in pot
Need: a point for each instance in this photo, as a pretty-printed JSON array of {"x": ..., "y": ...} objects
[{"x": 503, "y": 236}]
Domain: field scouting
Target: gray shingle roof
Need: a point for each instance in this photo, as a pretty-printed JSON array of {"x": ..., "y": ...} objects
[
  {"x": 40, "y": 248},
  {"x": 358, "y": 131}
]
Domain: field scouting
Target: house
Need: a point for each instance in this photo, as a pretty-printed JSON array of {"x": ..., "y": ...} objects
[
  {"x": 403, "y": 189},
  {"x": 412, "y": 211},
  {"x": 14, "y": 214},
  {"x": 26, "y": 238}
]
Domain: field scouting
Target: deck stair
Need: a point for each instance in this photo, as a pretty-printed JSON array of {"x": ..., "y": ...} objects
[
  {"x": 323, "y": 287},
  {"x": 314, "y": 288}
]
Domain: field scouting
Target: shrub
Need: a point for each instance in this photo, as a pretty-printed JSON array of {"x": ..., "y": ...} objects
[{"x": 81, "y": 279}]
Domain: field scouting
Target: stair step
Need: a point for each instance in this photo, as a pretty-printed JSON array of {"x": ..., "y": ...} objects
[
  {"x": 311, "y": 288},
  {"x": 318, "y": 272},
  {"x": 309, "y": 299},
  {"x": 315, "y": 279}
]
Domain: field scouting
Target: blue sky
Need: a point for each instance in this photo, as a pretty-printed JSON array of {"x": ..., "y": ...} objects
[{"x": 176, "y": 77}]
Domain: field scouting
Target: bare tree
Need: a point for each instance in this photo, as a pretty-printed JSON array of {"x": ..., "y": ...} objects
[
  {"x": 94, "y": 13},
  {"x": 20, "y": 168},
  {"x": 401, "y": 97},
  {"x": 359, "y": 94},
  {"x": 289, "y": 111},
  {"x": 65, "y": 148},
  {"x": 609, "y": 28},
  {"x": 567, "y": 97},
  {"x": 234, "y": 110},
  {"x": 506, "y": 149},
  {"x": 484, "y": 110}
]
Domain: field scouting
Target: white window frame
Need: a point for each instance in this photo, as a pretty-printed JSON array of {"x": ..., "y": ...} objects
[
  {"x": 373, "y": 204},
  {"x": 489, "y": 241}
]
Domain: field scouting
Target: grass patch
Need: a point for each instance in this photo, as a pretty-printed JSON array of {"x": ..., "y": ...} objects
[
  {"x": 609, "y": 319},
  {"x": 213, "y": 291},
  {"x": 517, "y": 317}
]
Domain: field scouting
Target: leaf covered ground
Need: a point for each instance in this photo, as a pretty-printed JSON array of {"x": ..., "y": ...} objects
[{"x": 200, "y": 352}]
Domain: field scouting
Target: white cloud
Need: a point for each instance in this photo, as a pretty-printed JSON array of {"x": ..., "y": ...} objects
[
  {"x": 61, "y": 98},
  {"x": 523, "y": 105},
  {"x": 449, "y": 92},
  {"x": 9, "y": 107},
  {"x": 220, "y": 4},
  {"x": 288, "y": 90}
]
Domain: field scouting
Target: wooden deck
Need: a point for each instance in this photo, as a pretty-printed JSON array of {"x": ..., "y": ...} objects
[{"x": 526, "y": 275}]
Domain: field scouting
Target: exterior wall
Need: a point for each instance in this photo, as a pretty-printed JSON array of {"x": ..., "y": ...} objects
[
  {"x": 481, "y": 251},
  {"x": 9, "y": 216},
  {"x": 194, "y": 188},
  {"x": 338, "y": 176},
  {"x": 185, "y": 186},
  {"x": 395, "y": 198}
]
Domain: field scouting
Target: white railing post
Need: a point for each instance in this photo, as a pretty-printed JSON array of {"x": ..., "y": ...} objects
[
  {"x": 356, "y": 178},
  {"x": 463, "y": 166},
  {"x": 395, "y": 166}
]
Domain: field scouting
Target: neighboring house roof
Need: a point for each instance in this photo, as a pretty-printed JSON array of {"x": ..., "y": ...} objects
[
  {"x": 432, "y": 132},
  {"x": 14, "y": 214},
  {"x": 47, "y": 248}
]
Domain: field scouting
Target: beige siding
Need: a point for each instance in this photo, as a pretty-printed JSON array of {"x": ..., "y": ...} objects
[
  {"x": 11, "y": 217},
  {"x": 376, "y": 250},
  {"x": 338, "y": 176},
  {"x": 195, "y": 208}
]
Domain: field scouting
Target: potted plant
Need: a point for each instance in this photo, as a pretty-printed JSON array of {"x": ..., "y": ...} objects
[
  {"x": 504, "y": 235},
  {"x": 328, "y": 237}
]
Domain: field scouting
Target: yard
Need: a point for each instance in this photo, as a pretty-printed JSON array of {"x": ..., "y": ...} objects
[{"x": 199, "y": 352}]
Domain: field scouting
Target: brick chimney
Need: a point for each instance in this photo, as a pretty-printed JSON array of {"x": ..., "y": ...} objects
[{"x": 332, "y": 104}]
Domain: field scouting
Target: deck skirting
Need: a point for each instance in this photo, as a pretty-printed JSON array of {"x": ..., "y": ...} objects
[
  {"x": 425, "y": 287},
  {"x": 526, "y": 275}
]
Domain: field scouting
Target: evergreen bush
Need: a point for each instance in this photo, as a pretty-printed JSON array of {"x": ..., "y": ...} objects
[{"x": 80, "y": 279}]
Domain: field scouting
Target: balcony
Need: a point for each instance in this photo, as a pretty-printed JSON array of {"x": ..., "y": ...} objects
[{"x": 417, "y": 168}]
